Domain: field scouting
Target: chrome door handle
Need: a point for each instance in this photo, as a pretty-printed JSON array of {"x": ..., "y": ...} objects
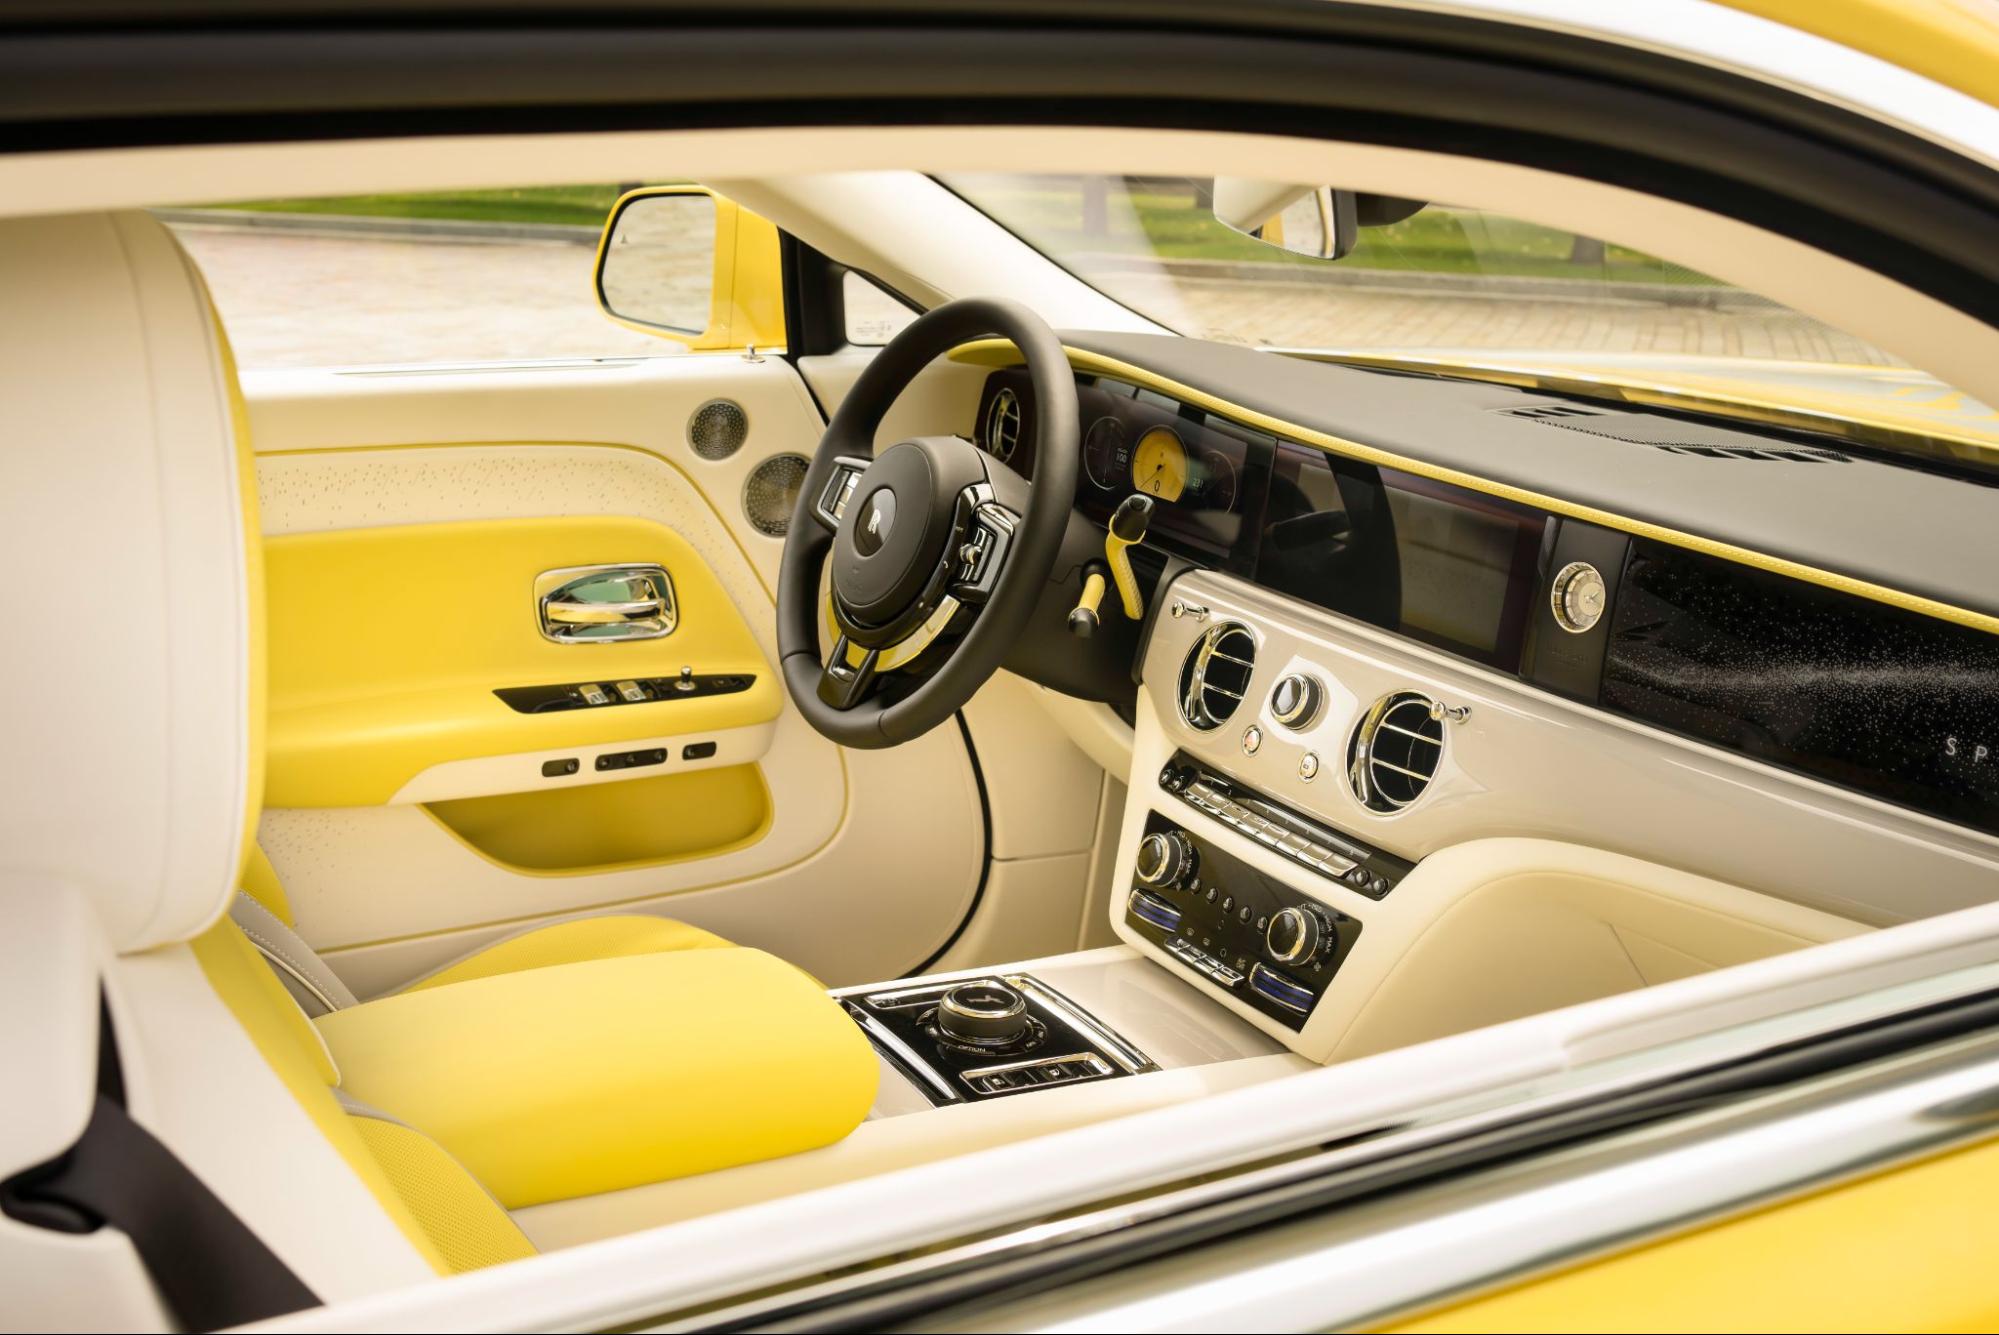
[
  {"x": 607, "y": 603},
  {"x": 564, "y": 612}
]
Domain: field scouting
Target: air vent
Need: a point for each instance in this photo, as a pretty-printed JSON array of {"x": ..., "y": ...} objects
[
  {"x": 718, "y": 429},
  {"x": 1545, "y": 411},
  {"x": 771, "y": 492},
  {"x": 1666, "y": 434},
  {"x": 1215, "y": 678},
  {"x": 1395, "y": 751},
  {"x": 1002, "y": 433}
]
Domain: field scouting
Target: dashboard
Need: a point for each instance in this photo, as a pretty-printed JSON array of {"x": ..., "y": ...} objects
[{"x": 1842, "y": 689}]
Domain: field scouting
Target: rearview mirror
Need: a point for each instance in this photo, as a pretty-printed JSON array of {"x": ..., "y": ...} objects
[{"x": 1315, "y": 221}]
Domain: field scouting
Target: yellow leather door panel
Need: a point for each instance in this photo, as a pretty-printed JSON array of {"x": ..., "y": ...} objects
[
  {"x": 611, "y": 827},
  {"x": 386, "y": 645}
]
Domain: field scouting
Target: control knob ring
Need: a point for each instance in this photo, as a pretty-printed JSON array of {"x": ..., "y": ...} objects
[
  {"x": 1164, "y": 858},
  {"x": 1294, "y": 935}
]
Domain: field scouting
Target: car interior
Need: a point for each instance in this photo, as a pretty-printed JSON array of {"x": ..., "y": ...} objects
[{"x": 531, "y": 804}]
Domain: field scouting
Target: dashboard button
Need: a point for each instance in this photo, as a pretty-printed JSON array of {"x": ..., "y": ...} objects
[
  {"x": 1295, "y": 701},
  {"x": 1252, "y": 740}
]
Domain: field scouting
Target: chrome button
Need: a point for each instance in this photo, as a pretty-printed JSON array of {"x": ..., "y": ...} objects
[{"x": 1295, "y": 701}]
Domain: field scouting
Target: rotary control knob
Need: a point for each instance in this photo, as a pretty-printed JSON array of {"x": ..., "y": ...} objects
[
  {"x": 1296, "y": 700},
  {"x": 1164, "y": 857},
  {"x": 984, "y": 1013},
  {"x": 1294, "y": 936}
]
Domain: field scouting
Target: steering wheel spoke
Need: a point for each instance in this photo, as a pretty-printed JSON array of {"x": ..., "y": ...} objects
[
  {"x": 829, "y": 507},
  {"x": 844, "y": 683},
  {"x": 980, "y": 560}
]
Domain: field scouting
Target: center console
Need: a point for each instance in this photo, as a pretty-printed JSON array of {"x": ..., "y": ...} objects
[
  {"x": 1246, "y": 932},
  {"x": 969, "y": 1039}
]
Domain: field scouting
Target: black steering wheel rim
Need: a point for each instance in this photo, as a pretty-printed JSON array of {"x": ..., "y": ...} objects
[{"x": 1030, "y": 553}]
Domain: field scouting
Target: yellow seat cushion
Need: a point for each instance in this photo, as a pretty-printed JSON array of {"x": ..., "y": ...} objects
[
  {"x": 572, "y": 942},
  {"x": 574, "y": 1079},
  {"x": 468, "y": 1227}
]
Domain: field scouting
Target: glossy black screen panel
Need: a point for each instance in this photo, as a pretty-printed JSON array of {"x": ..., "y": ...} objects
[
  {"x": 1450, "y": 567},
  {"x": 1889, "y": 703}
]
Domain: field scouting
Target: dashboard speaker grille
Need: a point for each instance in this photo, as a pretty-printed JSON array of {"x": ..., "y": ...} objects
[
  {"x": 771, "y": 493},
  {"x": 1395, "y": 751},
  {"x": 1215, "y": 677},
  {"x": 718, "y": 429}
]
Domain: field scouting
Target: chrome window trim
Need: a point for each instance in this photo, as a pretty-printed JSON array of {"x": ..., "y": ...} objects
[
  {"x": 1377, "y": 1263},
  {"x": 1786, "y": 1159}
]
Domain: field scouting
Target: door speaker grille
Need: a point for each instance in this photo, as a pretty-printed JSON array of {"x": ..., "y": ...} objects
[
  {"x": 771, "y": 493},
  {"x": 1215, "y": 677},
  {"x": 1395, "y": 751},
  {"x": 718, "y": 429}
]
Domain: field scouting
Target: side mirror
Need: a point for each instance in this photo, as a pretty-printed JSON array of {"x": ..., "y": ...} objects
[
  {"x": 685, "y": 263},
  {"x": 1315, "y": 221}
]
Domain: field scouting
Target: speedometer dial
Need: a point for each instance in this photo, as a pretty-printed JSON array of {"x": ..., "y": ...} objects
[
  {"x": 1106, "y": 454},
  {"x": 1218, "y": 481},
  {"x": 1159, "y": 464}
]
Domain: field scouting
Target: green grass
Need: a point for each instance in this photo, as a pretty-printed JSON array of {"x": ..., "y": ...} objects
[{"x": 578, "y": 205}]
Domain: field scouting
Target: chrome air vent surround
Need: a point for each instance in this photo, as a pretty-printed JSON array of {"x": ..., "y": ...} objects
[
  {"x": 1215, "y": 677},
  {"x": 1002, "y": 434},
  {"x": 1395, "y": 751}
]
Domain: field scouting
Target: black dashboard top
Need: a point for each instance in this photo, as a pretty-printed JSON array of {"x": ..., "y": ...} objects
[
  {"x": 1841, "y": 511},
  {"x": 1798, "y": 673}
]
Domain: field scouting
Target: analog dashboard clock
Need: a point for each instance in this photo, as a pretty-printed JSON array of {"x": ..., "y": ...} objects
[{"x": 1578, "y": 597}]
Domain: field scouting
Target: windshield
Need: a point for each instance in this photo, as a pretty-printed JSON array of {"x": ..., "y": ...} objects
[{"x": 1466, "y": 291}]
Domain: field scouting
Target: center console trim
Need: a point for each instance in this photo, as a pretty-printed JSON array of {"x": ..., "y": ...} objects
[{"x": 1109, "y": 1053}]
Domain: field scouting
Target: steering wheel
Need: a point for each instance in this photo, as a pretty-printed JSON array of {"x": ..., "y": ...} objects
[{"x": 931, "y": 540}]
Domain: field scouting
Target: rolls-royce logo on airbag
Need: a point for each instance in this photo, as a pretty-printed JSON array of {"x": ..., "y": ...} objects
[{"x": 877, "y": 517}]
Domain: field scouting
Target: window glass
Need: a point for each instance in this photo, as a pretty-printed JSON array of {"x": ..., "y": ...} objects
[
  {"x": 873, "y": 316},
  {"x": 460, "y": 276},
  {"x": 1444, "y": 284}
]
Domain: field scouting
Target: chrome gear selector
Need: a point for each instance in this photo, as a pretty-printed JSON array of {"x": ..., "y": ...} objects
[{"x": 983, "y": 1013}]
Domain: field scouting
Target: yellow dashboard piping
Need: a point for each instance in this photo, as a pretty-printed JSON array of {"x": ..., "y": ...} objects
[{"x": 998, "y": 352}]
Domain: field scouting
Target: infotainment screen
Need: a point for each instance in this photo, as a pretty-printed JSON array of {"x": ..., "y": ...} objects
[{"x": 1441, "y": 564}]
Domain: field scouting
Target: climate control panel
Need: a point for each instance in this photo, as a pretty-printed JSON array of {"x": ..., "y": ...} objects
[{"x": 1239, "y": 929}]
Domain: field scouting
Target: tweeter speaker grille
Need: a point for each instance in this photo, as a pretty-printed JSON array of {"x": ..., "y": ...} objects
[
  {"x": 718, "y": 429},
  {"x": 772, "y": 493}
]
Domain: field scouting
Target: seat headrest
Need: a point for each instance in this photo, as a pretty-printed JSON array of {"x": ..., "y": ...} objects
[{"x": 131, "y": 675}]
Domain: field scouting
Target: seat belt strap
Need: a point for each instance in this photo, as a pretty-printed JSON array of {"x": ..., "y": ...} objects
[{"x": 210, "y": 1269}]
